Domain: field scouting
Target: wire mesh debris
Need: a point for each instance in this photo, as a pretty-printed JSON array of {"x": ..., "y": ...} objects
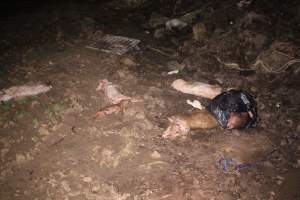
[{"x": 114, "y": 44}]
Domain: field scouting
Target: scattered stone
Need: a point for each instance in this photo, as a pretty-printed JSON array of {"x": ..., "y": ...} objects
[
  {"x": 272, "y": 193},
  {"x": 283, "y": 142},
  {"x": 20, "y": 158},
  {"x": 27, "y": 193},
  {"x": 175, "y": 24},
  {"x": 43, "y": 131},
  {"x": 129, "y": 62},
  {"x": 279, "y": 180},
  {"x": 87, "y": 179},
  {"x": 96, "y": 188},
  {"x": 155, "y": 155}
]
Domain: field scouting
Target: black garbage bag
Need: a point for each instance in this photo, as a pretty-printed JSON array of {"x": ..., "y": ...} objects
[{"x": 234, "y": 101}]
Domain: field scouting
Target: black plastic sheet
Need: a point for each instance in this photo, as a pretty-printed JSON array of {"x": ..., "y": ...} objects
[{"x": 236, "y": 101}]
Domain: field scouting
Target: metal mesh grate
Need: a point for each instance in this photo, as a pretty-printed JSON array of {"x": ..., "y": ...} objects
[{"x": 114, "y": 44}]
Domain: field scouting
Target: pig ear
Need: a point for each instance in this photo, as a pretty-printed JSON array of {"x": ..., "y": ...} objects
[{"x": 229, "y": 126}]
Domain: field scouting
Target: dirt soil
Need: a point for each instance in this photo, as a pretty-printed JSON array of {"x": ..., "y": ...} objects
[{"x": 52, "y": 148}]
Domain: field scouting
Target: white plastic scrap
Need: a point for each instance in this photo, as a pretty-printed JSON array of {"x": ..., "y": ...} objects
[
  {"x": 173, "y": 72},
  {"x": 195, "y": 104},
  {"x": 18, "y": 92}
]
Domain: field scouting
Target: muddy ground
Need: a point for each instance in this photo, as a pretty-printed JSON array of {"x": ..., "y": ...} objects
[{"x": 52, "y": 148}]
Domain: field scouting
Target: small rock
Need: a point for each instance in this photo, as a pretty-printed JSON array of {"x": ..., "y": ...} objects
[
  {"x": 129, "y": 62},
  {"x": 43, "y": 131},
  {"x": 35, "y": 139},
  {"x": 283, "y": 142},
  {"x": 20, "y": 158},
  {"x": 199, "y": 31},
  {"x": 155, "y": 155},
  {"x": 87, "y": 179},
  {"x": 280, "y": 177},
  {"x": 272, "y": 193},
  {"x": 219, "y": 80},
  {"x": 278, "y": 182},
  {"x": 176, "y": 24},
  {"x": 27, "y": 193},
  {"x": 95, "y": 188}
]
